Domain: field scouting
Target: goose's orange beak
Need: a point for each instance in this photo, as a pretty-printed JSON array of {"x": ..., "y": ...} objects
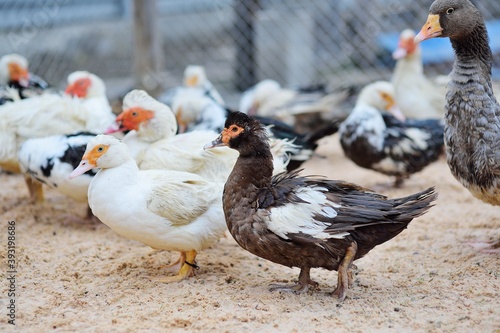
[{"x": 432, "y": 28}]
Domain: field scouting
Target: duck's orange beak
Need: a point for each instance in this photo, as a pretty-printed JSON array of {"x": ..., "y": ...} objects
[{"x": 432, "y": 28}]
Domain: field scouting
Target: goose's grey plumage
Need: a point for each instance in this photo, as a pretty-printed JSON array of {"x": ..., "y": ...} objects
[
  {"x": 472, "y": 131},
  {"x": 472, "y": 120}
]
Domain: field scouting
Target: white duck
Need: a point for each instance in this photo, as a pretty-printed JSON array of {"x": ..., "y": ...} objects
[
  {"x": 198, "y": 112},
  {"x": 268, "y": 99},
  {"x": 196, "y": 77},
  {"x": 186, "y": 105},
  {"x": 195, "y": 83},
  {"x": 53, "y": 114},
  {"x": 417, "y": 96},
  {"x": 195, "y": 86},
  {"x": 155, "y": 144},
  {"x": 166, "y": 210}
]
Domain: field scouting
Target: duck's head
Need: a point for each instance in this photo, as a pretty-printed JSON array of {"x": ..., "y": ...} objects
[
  {"x": 243, "y": 133},
  {"x": 144, "y": 114},
  {"x": 450, "y": 18},
  {"x": 103, "y": 151},
  {"x": 195, "y": 76},
  {"x": 406, "y": 45},
  {"x": 14, "y": 68},
  {"x": 380, "y": 95},
  {"x": 83, "y": 84},
  {"x": 134, "y": 118}
]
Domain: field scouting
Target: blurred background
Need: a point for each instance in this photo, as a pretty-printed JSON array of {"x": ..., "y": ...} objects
[{"x": 147, "y": 44}]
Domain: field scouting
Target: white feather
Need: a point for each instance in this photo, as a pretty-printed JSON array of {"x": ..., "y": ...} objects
[{"x": 299, "y": 218}]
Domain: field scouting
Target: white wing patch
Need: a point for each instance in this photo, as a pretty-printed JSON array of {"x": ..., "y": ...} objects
[
  {"x": 415, "y": 142},
  {"x": 368, "y": 123},
  {"x": 329, "y": 212},
  {"x": 389, "y": 165},
  {"x": 299, "y": 217}
]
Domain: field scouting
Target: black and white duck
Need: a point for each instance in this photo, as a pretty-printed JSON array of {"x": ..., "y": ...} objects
[
  {"x": 16, "y": 82},
  {"x": 386, "y": 142},
  {"x": 472, "y": 119},
  {"x": 51, "y": 159},
  {"x": 305, "y": 222}
]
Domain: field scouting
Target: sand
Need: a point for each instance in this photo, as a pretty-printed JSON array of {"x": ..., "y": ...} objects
[{"x": 75, "y": 276}]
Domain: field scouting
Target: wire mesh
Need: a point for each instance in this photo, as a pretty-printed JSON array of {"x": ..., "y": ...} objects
[{"x": 296, "y": 42}]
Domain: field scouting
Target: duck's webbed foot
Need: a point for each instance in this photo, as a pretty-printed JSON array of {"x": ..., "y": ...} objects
[
  {"x": 300, "y": 287},
  {"x": 345, "y": 278}
]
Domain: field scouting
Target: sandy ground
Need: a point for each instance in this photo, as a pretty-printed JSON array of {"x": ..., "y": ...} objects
[{"x": 74, "y": 276}]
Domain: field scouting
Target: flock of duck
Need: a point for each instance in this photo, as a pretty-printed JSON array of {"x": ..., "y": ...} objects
[{"x": 176, "y": 173}]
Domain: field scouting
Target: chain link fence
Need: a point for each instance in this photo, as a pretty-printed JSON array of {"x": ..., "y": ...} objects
[{"x": 296, "y": 42}]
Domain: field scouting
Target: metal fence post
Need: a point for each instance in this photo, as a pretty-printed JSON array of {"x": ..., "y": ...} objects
[
  {"x": 147, "y": 47},
  {"x": 244, "y": 38}
]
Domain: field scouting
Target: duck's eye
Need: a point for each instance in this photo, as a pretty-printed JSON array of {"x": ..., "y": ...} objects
[
  {"x": 234, "y": 129},
  {"x": 134, "y": 114},
  {"x": 100, "y": 149},
  {"x": 450, "y": 10}
]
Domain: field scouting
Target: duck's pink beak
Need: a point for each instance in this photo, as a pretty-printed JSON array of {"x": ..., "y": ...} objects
[
  {"x": 83, "y": 167},
  {"x": 396, "y": 112},
  {"x": 112, "y": 129}
]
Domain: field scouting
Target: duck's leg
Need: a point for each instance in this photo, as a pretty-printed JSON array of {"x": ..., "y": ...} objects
[
  {"x": 399, "y": 181},
  {"x": 345, "y": 273},
  {"x": 90, "y": 217},
  {"x": 181, "y": 126},
  {"x": 301, "y": 286},
  {"x": 187, "y": 269},
  {"x": 350, "y": 275},
  {"x": 35, "y": 188}
]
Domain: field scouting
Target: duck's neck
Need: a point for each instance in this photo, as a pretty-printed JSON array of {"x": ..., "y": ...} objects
[
  {"x": 473, "y": 56},
  {"x": 254, "y": 169},
  {"x": 155, "y": 131},
  {"x": 121, "y": 175},
  {"x": 411, "y": 64}
]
